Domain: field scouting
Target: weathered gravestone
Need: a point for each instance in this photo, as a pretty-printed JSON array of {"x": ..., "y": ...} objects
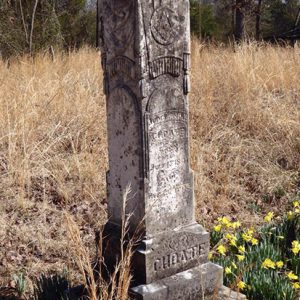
[{"x": 146, "y": 63}]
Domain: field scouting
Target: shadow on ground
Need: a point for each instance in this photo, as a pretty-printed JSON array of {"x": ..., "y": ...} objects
[{"x": 47, "y": 287}]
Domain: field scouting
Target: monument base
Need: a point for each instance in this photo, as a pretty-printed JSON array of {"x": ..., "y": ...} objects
[
  {"x": 161, "y": 256},
  {"x": 197, "y": 283},
  {"x": 170, "y": 252}
]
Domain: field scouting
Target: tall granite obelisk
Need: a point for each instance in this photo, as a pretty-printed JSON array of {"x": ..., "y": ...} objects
[{"x": 146, "y": 63}]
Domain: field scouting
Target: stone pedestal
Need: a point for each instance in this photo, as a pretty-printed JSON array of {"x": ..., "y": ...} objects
[
  {"x": 194, "y": 284},
  {"x": 171, "y": 252},
  {"x": 146, "y": 63}
]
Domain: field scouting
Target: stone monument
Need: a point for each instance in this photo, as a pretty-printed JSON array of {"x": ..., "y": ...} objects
[{"x": 146, "y": 62}]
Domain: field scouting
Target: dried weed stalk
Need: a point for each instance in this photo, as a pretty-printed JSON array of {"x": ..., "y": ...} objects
[
  {"x": 81, "y": 256},
  {"x": 97, "y": 287}
]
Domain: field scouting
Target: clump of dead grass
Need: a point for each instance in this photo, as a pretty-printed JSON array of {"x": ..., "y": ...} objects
[
  {"x": 116, "y": 286},
  {"x": 244, "y": 134}
]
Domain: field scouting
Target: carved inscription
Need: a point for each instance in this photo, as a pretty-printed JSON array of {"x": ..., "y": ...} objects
[
  {"x": 163, "y": 117},
  {"x": 167, "y": 141},
  {"x": 120, "y": 66},
  {"x": 181, "y": 257},
  {"x": 165, "y": 25},
  {"x": 179, "y": 131},
  {"x": 166, "y": 65}
]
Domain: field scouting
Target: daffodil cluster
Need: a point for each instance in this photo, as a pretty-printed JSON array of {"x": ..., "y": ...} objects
[
  {"x": 260, "y": 257},
  {"x": 224, "y": 222},
  {"x": 295, "y": 212},
  {"x": 230, "y": 271},
  {"x": 295, "y": 247},
  {"x": 232, "y": 238},
  {"x": 269, "y": 264},
  {"x": 294, "y": 280},
  {"x": 248, "y": 237},
  {"x": 233, "y": 241}
]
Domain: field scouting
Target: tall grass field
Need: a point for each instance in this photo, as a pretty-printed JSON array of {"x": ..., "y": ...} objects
[{"x": 244, "y": 147}]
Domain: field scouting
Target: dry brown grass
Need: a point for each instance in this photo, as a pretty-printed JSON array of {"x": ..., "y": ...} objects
[
  {"x": 52, "y": 157},
  {"x": 245, "y": 144},
  {"x": 96, "y": 286},
  {"x": 245, "y": 129}
]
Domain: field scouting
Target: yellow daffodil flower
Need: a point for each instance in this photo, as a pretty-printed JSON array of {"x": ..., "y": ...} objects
[
  {"x": 295, "y": 247},
  {"x": 233, "y": 243},
  {"x": 222, "y": 249},
  {"x": 296, "y": 285},
  {"x": 240, "y": 257},
  {"x": 229, "y": 236},
  {"x": 234, "y": 265},
  {"x": 292, "y": 276},
  {"x": 210, "y": 255},
  {"x": 296, "y": 204},
  {"x": 246, "y": 237},
  {"x": 218, "y": 228},
  {"x": 241, "y": 285},
  {"x": 232, "y": 239},
  {"x": 290, "y": 215},
  {"x": 268, "y": 218},
  {"x": 250, "y": 231},
  {"x": 279, "y": 264},
  {"x": 228, "y": 270},
  {"x": 236, "y": 225},
  {"x": 242, "y": 249},
  {"x": 254, "y": 241},
  {"x": 224, "y": 221},
  {"x": 268, "y": 264}
]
